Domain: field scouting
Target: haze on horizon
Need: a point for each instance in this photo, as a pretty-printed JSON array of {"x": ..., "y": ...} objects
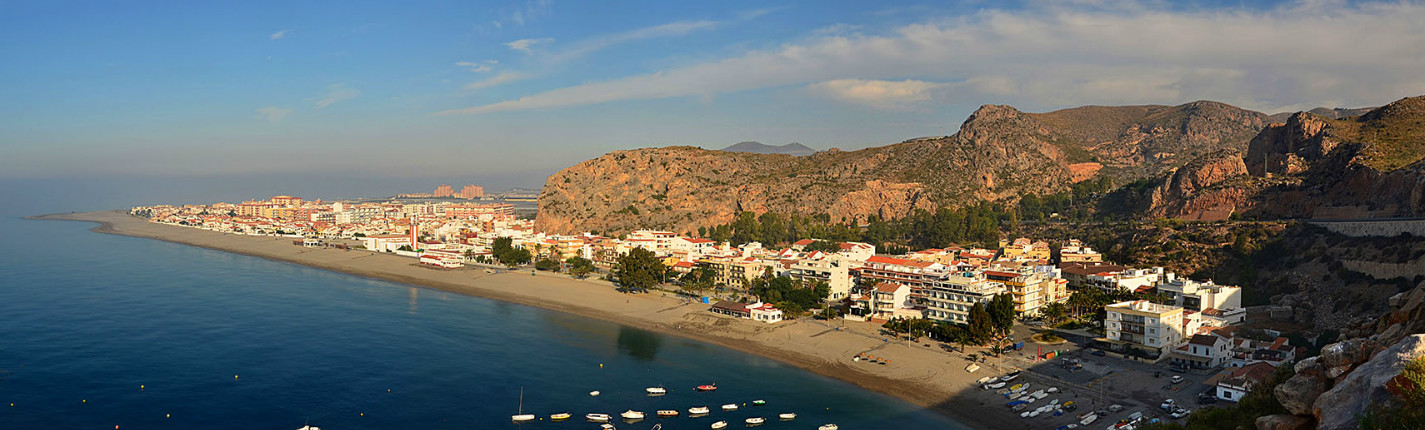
[{"x": 506, "y": 92}]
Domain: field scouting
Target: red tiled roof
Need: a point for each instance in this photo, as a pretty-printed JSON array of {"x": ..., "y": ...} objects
[
  {"x": 887, "y": 287},
  {"x": 804, "y": 242},
  {"x": 886, "y": 260}
]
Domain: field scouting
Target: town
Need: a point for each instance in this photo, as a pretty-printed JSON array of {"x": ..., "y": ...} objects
[{"x": 993, "y": 299}]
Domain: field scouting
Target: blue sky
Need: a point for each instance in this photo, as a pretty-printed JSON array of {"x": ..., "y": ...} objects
[{"x": 520, "y": 89}]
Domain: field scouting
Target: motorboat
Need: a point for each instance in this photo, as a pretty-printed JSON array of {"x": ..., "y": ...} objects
[
  {"x": 1051, "y": 390},
  {"x": 729, "y": 407},
  {"x": 597, "y": 418},
  {"x": 788, "y": 416},
  {"x": 698, "y": 410},
  {"x": 1010, "y": 377},
  {"x": 755, "y": 421},
  {"x": 664, "y": 413},
  {"x": 827, "y": 427},
  {"x": 606, "y": 426},
  {"x": 656, "y": 391},
  {"x": 719, "y": 425},
  {"x": 759, "y": 402},
  {"x": 1088, "y": 419},
  {"x": 631, "y": 415},
  {"x": 994, "y": 385},
  {"x": 709, "y": 387},
  {"x": 594, "y": 393},
  {"x": 559, "y": 416},
  {"x": 1019, "y": 407},
  {"x": 986, "y": 380}
]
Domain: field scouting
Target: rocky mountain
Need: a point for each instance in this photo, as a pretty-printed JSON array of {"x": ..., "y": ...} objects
[
  {"x": 998, "y": 154},
  {"x": 794, "y": 148},
  {"x": 1332, "y": 113},
  {"x": 1313, "y": 166}
]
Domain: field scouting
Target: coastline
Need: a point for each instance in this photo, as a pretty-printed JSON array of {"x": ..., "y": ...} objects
[{"x": 921, "y": 375}]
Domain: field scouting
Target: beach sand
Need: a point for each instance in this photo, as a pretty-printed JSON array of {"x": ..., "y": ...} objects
[{"x": 920, "y": 374}]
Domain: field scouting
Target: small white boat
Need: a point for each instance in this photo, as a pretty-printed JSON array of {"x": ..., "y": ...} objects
[
  {"x": 559, "y": 416},
  {"x": 729, "y": 407},
  {"x": 755, "y": 421},
  {"x": 665, "y": 413},
  {"x": 520, "y": 416},
  {"x": 597, "y": 418},
  {"x": 656, "y": 391},
  {"x": 1040, "y": 394},
  {"x": 972, "y": 368},
  {"x": 719, "y": 425},
  {"x": 994, "y": 385},
  {"x": 986, "y": 380},
  {"x": 699, "y": 410},
  {"x": 1024, "y": 414},
  {"x": 606, "y": 426},
  {"x": 787, "y": 416},
  {"x": 594, "y": 393},
  {"x": 1051, "y": 390},
  {"x": 827, "y": 427},
  {"x": 631, "y": 415},
  {"x": 305, "y": 427},
  {"x": 1088, "y": 419}
]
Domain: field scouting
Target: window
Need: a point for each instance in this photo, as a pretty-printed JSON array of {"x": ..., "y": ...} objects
[{"x": 1226, "y": 394}]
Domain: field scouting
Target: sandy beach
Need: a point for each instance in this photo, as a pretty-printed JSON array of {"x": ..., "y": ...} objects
[{"x": 920, "y": 374}]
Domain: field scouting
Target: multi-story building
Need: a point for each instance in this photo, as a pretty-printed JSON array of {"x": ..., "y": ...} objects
[
  {"x": 287, "y": 201},
  {"x": 1024, "y": 249},
  {"x": 952, "y": 297},
  {"x": 1076, "y": 252},
  {"x": 833, "y": 269},
  {"x": 1143, "y": 324},
  {"x": 1203, "y": 351},
  {"x": 732, "y": 271},
  {"x": 469, "y": 211},
  {"x": 1031, "y": 287},
  {"x": 471, "y": 192},
  {"x": 444, "y": 190},
  {"x": 1077, "y": 274},
  {"x": 884, "y": 301},
  {"x": 1216, "y": 301},
  {"x": 1137, "y": 280}
]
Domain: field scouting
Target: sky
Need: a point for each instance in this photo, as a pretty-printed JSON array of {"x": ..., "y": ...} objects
[{"x": 505, "y": 93}]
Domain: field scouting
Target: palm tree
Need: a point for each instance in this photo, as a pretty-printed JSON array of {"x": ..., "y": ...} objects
[{"x": 1055, "y": 312}]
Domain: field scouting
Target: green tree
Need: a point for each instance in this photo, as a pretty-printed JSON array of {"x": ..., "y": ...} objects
[
  {"x": 1055, "y": 312},
  {"x": 548, "y": 264},
  {"x": 982, "y": 327},
  {"x": 1001, "y": 310},
  {"x": 579, "y": 267},
  {"x": 639, "y": 270},
  {"x": 699, "y": 279},
  {"x": 503, "y": 250}
]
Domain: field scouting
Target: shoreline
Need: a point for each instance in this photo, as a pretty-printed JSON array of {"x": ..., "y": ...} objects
[{"x": 920, "y": 375}]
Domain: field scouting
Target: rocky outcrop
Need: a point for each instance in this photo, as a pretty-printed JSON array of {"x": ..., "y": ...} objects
[
  {"x": 1192, "y": 191},
  {"x": 1283, "y": 422},
  {"x": 1340, "y": 407}
]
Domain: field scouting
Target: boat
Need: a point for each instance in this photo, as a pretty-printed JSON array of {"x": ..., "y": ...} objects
[
  {"x": 606, "y": 426},
  {"x": 631, "y": 415},
  {"x": 520, "y": 416},
  {"x": 709, "y": 387},
  {"x": 827, "y": 427},
  {"x": 594, "y": 393},
  {"x": 994, "y": 385},
  {"x": 667, "y": 413},
  {"x": 1017, "y": 387},
  {"x": 656, "y": 391},
  {"x": 986, "y": 380},
  {"x": 719, "y": 425},
  {"x": 559, "y": 416},
  {"x": 1088, "y": 419},
  {"x": 698, "y": 410},
  {"x": 1019, "y": 407},
  {"x": 759, "y": 402},
  {"x": 729, "y": 407},
  {"x": 788, "y": 416},
  {"x": 1051, "y": 390},
  {"x": 309, "y": 427},
  {"x": 972, "y": 368},
  {"x": 597, "y": 418},
  {"x": 755, "y": 421}
]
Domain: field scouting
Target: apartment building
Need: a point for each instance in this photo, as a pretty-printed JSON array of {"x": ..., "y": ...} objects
[{"x": 1145, "y": 325}]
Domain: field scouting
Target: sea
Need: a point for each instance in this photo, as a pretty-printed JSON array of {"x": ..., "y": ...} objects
[{"x": 101, "y": 331}]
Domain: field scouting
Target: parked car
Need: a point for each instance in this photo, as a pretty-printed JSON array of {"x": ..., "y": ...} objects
[
  {"x": 1179, "y": 413},
  {"x": 1167, "y": 405},
  {"x": 1177, "y": 379},
  {"x": 1099, "y": 352},
  {"x": 1206, "y": 398}
]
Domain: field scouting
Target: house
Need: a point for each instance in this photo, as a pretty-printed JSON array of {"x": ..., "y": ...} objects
[
  {"x": 801, "y": 245},
  {"x": 443, "y": 259},
  {"x": 1203, "y": 351},
  {"x": 1235, "y": 383},
  {"x": 1076, "y": 252},
  {"x": 760, "y": 312},
  {"x": 733, "y": 309}
]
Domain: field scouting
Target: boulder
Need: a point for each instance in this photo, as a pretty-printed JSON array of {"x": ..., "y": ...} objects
[
  {"x": 1349, "y": 352},
  {"x": 1299, "y": 393},
  {"x": 1337, "y": 408},
  {"x": 1283, "y": 422}
]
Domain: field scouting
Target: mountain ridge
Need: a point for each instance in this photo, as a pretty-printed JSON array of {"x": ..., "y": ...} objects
[{"x": 794, "y": 148}]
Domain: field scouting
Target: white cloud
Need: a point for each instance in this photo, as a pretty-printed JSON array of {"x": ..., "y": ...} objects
[
  {"x": 479, "y": 67},
  {"x": 525, "y": 45},
  {"x": 278, "y": 35},
  {"x": 499, "y": 79},
  {"x": 672, "y": 29},
  {"x": 895, "y": 95},
  {"x": 336, "y": 93},
  {"x": 272, "y": 113},
  {"x": 1058, "y": 55}
]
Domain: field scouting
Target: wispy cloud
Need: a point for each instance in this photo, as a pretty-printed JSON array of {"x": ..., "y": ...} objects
[
  {"x": 336, "y": 93},
  {"x": 479, "y": 67},
  {"x": 525, "y": 45},
  {"x": 894, "y": 95},
  {"x": 272, "y": 113},
  {"x": 1056, "y": 55},
  {"x": 279, "y": 34},
  {"x": 672, "y": 29},
  {"x": 499, "y": 79}
]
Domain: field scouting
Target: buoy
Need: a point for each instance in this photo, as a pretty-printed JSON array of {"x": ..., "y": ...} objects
[
  {"x": 234, "y": 377},
  {"x": 168, "y": 415},
  {"x": 140, "y": 387},
  {"x": 601, "y": 365},
  {"x": 363, "y": 414},
  {"x": 388, "y": 390},
  {"x": 84, "y": 401}
]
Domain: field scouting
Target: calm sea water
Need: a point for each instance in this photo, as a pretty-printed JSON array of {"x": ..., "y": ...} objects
[{"x": 219, "y": 340}]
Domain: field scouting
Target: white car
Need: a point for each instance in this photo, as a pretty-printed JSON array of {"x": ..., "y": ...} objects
[{"x": 1179, "y": 413}]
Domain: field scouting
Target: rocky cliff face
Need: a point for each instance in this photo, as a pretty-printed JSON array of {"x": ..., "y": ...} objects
[
  {"x": 999, "y": 154},
  {"x": 1196, "y": 192}
]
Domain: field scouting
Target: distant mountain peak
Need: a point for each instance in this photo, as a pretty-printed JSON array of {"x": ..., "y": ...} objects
[{"x": 794, "y": 148}]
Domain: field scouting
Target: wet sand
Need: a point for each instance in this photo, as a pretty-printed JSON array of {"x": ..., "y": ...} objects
[{"x": 920, "y": 374}]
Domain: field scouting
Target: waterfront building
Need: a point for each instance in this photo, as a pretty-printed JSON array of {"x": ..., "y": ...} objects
[
  {"x": 833, "y": 269},
  {"x": 1145, "y": 325}
]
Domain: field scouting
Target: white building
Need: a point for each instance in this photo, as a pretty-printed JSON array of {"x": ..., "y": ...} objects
[
  {"x": 834, "y": 269},
  {"x": 387, "y": 243},
  {"x": 1129, "y": 279},
  {"x": 1205, "y": 297},
  {"x": 1144, "y": 324},
  {"x": 1203, "y": 351}
]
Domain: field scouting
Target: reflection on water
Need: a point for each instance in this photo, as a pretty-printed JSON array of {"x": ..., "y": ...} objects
[
  {"x": 639, "y": 344},
  {"x": 415, "y": 294}
]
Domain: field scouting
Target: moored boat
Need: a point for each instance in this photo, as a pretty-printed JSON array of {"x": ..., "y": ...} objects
[
  {"x": 729, "y": 407},
  {"x": 788, "y": 416},
  {"x": 594, "y": 393},
  {"x": 755, "y": 421},
  {"x": 708, "y": 387},
  {"x": 696, "y": 410},
  {"x": 656, "y": 391},
  {"x": 597, "y": 418},
  {"x": 559, "y": 416},
  {"x": 719, "y": 425},
  {"x": 827, "y": 427},
  {"x": 520, "y": 416},
  {"x": 759, "y": 402},
  {"x": 667, "y": 413},
  {"x": 631, "y": 415}
]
